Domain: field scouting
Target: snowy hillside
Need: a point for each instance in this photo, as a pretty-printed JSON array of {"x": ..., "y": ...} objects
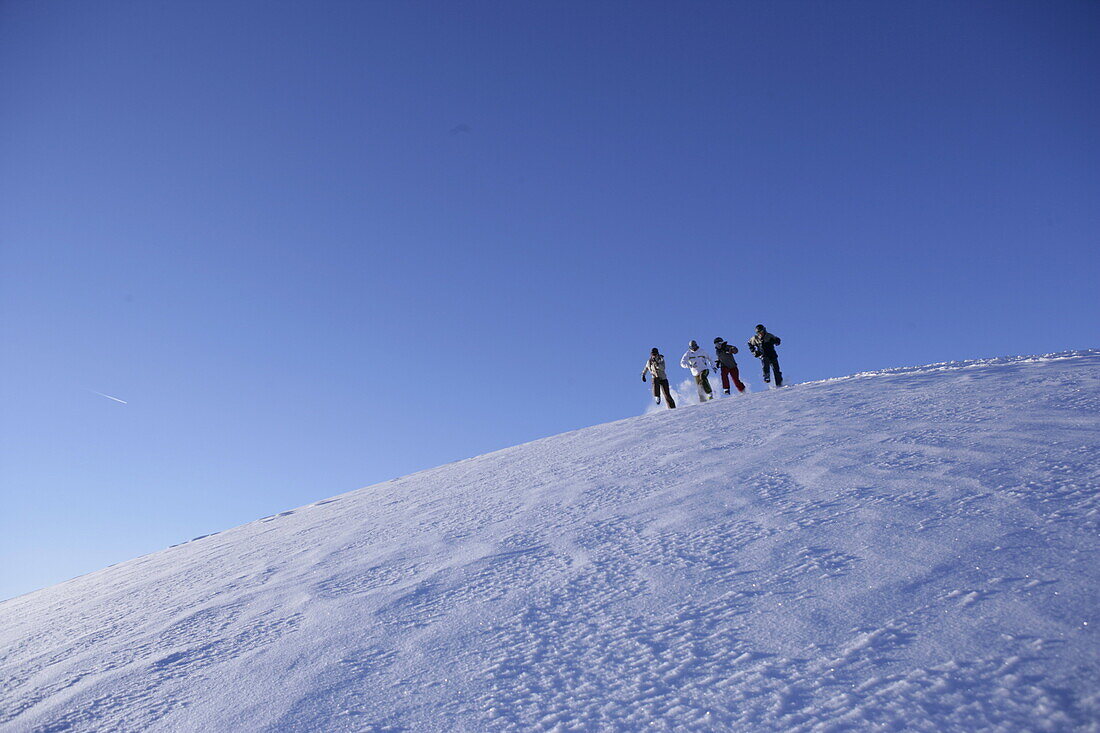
[{"x": 913, "y": 550}]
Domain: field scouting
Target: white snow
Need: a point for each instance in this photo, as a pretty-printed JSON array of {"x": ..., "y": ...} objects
[{"x": 913, "y": 549}]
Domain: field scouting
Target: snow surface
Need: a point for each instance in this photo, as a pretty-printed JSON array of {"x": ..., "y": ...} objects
[{"x": 913, "y": 549}]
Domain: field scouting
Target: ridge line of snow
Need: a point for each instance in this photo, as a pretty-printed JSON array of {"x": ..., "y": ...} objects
[{"x": 962, "y": 364}]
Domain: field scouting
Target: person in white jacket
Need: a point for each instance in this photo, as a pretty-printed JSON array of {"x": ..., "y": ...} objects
[{"x": 700, "y": 365}]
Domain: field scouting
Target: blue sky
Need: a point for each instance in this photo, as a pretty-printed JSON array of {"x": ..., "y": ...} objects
[{"x": 315, "y": 246}]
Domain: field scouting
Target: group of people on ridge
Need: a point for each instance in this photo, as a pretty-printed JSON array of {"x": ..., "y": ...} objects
[{"x": 761, "y": 345}]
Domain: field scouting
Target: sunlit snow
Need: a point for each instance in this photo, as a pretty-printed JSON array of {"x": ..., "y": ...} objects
[{"x": 913, "y": 549}]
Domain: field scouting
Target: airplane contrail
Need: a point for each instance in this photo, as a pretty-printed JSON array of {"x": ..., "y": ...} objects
[{"x": 116, "y": 399}]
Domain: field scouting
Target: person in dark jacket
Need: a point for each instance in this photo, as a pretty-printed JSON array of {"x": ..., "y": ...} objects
[
  {"x": 762, "y": 345},
  {"x": 723, "y": 353},
  {"x": 656, "y": 368}
]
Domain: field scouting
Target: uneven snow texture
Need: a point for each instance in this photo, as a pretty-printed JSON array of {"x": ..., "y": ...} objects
[{"x": 909, "y": 550}]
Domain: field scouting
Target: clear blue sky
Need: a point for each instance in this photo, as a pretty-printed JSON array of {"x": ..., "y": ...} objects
[{"x": 319, "y": 245}]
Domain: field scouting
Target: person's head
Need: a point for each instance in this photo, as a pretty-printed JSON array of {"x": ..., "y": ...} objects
[
  {"x": 760, "y": 328},
  {"x": 718, "y": 341},
  {"x": 692, "y": 345},
  {"x": 654, "y": 352}
]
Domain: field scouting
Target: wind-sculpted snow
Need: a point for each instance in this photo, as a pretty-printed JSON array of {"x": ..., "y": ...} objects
[{"x": 912, "y": 550}]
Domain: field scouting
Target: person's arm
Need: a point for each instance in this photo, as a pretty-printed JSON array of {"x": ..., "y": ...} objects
[{"x": 684, "y": 361}]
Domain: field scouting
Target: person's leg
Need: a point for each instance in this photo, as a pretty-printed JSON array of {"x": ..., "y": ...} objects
[
  {"x": 765, "y": 365},
  {"x": 668, "y": 395},
  {"x": 778, "y": 374},
  {"x": 736, "y": 374},
  {"x": 706, "y": 381},
  {"x": 725, "y": 379},
  {"x": 657, "y": 390}
]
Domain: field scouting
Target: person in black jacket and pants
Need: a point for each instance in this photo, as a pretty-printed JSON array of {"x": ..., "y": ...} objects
[{"x": 762, "y": 345}]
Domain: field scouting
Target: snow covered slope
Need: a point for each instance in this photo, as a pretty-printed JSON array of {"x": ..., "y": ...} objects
[{"x": 913, "y": 549}]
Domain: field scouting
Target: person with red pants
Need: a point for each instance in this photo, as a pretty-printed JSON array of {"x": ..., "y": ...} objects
[{"x": 724, "y": 358}]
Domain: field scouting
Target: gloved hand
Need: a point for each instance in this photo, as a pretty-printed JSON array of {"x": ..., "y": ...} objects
[{"x": 643, "y": 377}]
